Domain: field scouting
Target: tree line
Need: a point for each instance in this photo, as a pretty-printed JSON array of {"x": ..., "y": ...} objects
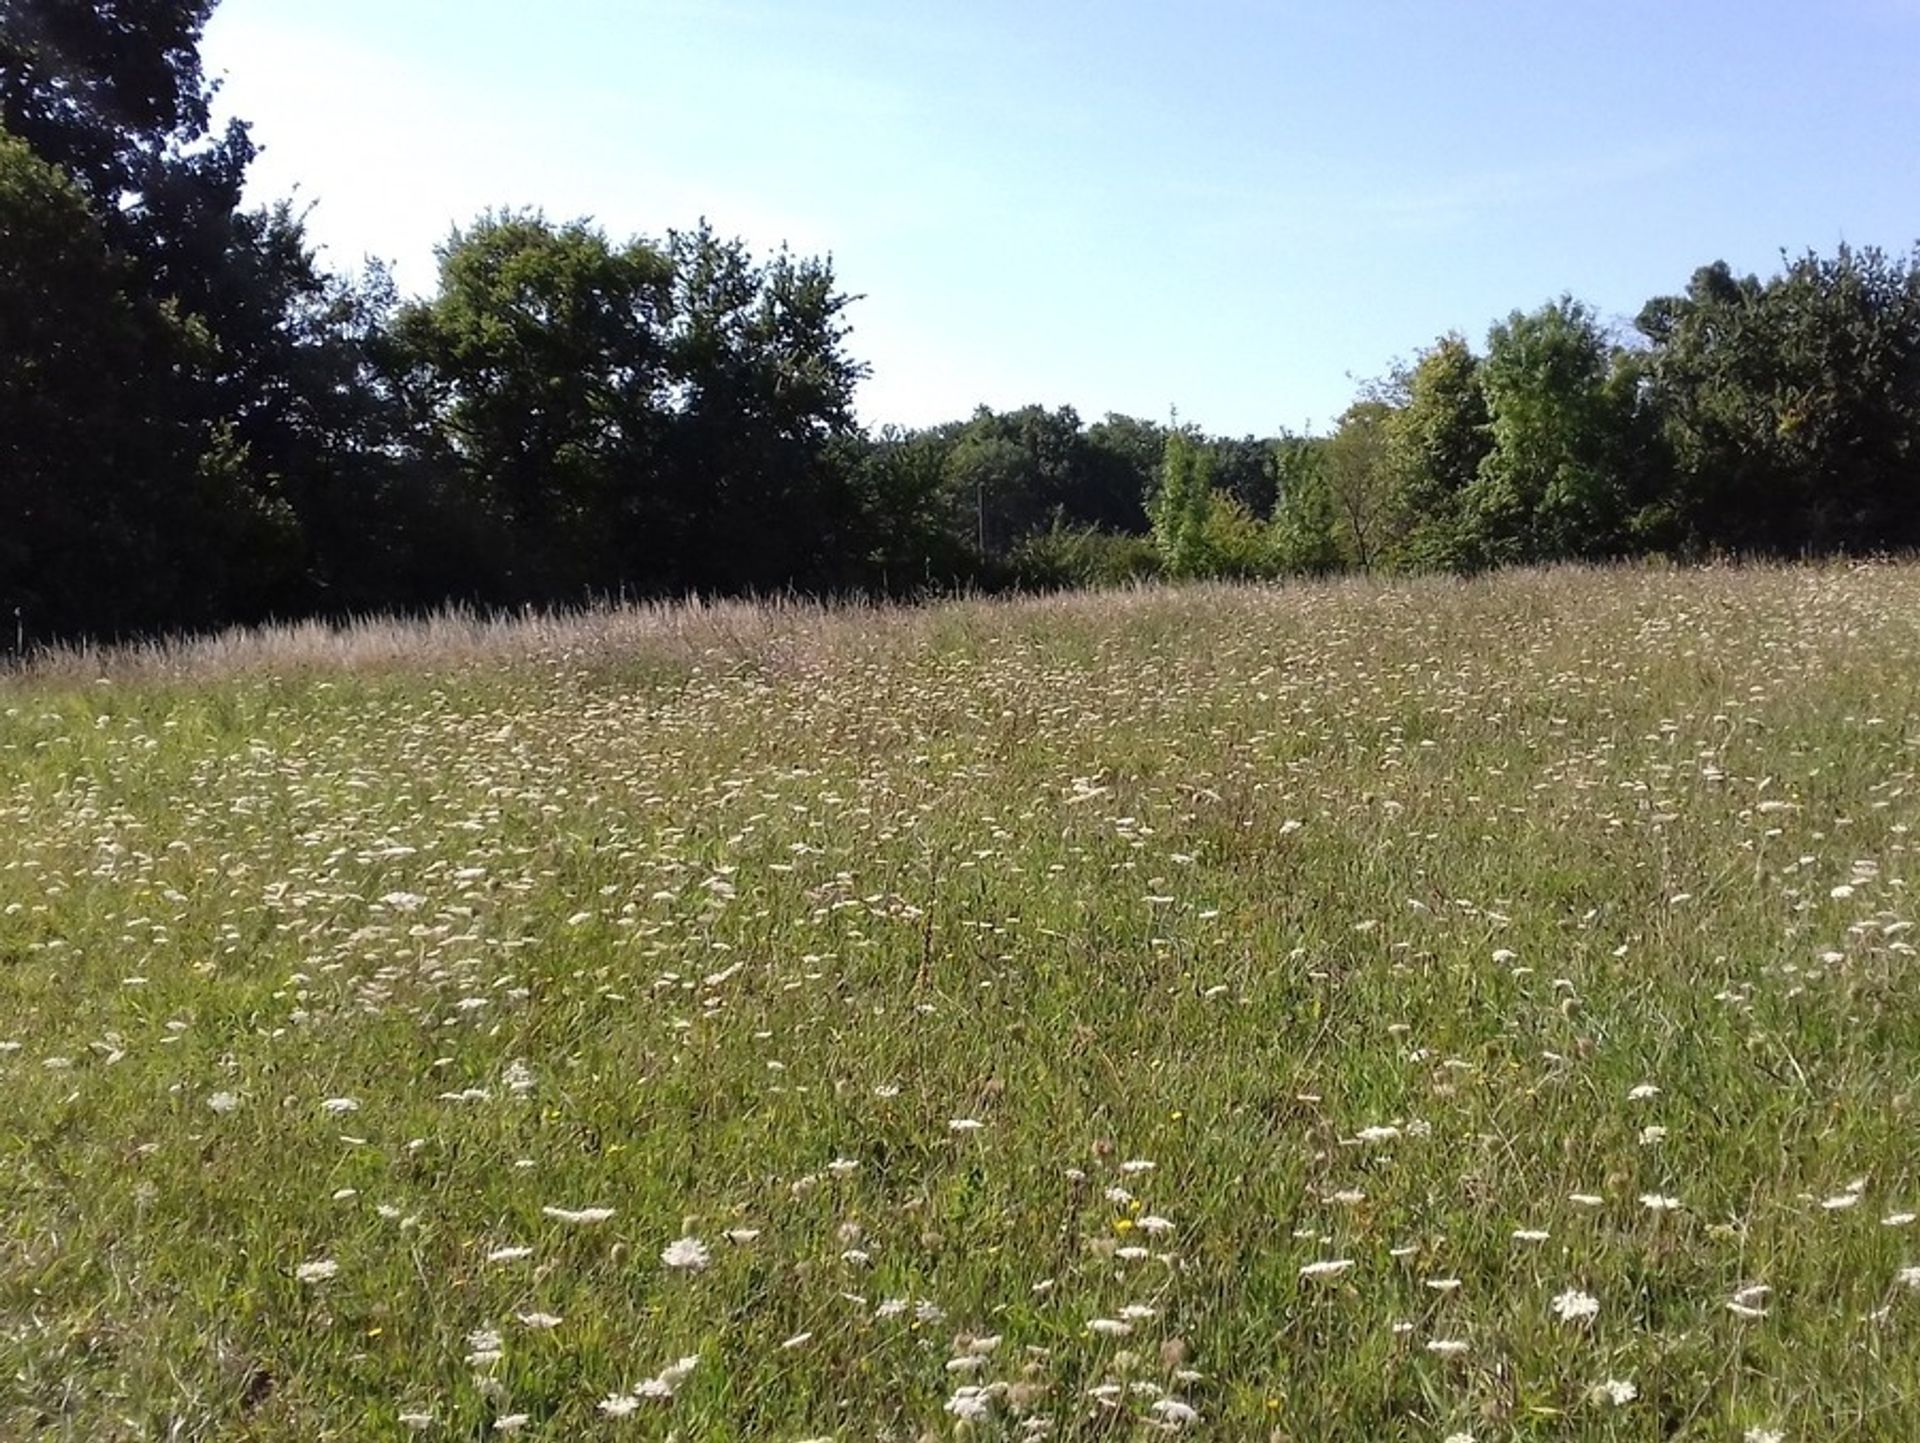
[{"x": 200, "y": 423}]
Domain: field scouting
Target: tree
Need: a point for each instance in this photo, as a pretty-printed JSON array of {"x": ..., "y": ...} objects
[
  {"x": 1792, "y": 407},
  {"x": 762, "y": 392},
  {"x": 1434, "y": 445},
  {"x": 124, "y": 511},
  {"x": 1355, "y": 471},
  {"x": 539, "y": 373},
  {"x": 1550, "y": 487},
  {"x": 1304, "y": 516},
  {"x": 1182, "y": 505}
]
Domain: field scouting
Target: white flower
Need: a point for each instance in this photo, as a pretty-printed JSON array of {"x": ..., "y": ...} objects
[
  {"x": 843, "y": 1167},
  {"x": 1109, "y": 1327},
  {"x": 1446, "y": 1347},
  {"x": 1154, "y": 1224},
  {"x": 618, "y": 1405},
  {"x": 1644, "y": 1091},
  {"x": 511, "y": 1422},
  {"x": 1174, "y": 1413},
  {"x": 483, "y": 1347},
  {"x": 1377, "y": 1134},
  {"x": 223, "y": 1102},
  {"x": 1585, "y": 1199},
  {"x": 540, "y": 1320},
  {"x": 689, "y": 1253},
  {"x": 1841, "y": 1202},
  {"x": 1765, "y": 1435},
  {"x": 1574, "y": 1306},
  {"x": 969, "y": 1403},
  {"x": 317, "y": 1271},
  {"x": 1652, "y": 1134},
  {"x": 416, "y": 1421},
  {"x": 1136, "y": 1165},
  {"x": 1655, "y": 1202},
  {"x": 339, "y": 1105},
  {"x": 1326, "y": 1268},
  {"x": 1530, "y": 1235},
  {"x": 585, "y": 1216},
  {"x": 965, "y": 1124},
  {"x": 1898, "y": 1220},
  {"x": 1908, "y": 1277},
  {"x": 509, "y": 1255},
  {"x": 1444, "y": 1285},
  {"x": 1617, "y": 1391},
  {"x": 1458, "y": 1438}
]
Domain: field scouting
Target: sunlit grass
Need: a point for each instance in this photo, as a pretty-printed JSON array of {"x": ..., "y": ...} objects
[{"x": 1361, "y": 1012}]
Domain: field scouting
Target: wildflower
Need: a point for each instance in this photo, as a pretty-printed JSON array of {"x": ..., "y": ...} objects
[
  {"x": 1154, "y": 1224},
  {"x": 223, "y": 1102},
  {"x": 1377, "y": 1134},
  {"x": 416, "y": 1421},
  {"x": 1897, "y": 1220},
  {"x": 688, "y": 1253},
  {"x": 511, "y": 1422},
  {"x": 619, "y": 1405},
  {"x": 1574, "y": 1306},
  {"x": 584, "y": 1216},
  {"x": 969, "y": 1403},
  {"x": 483, "y": 1348},
  {"x": 338, "y": 1106},
  {"x": 1841, "y": 1202},
  {"x": 317, "y": 1271},
  {"x": 1326, "y": 1268},
  {"x": 1109, "y": 1327},
  {"x": 1652, "y": 1134},
  {"x": 891, "y": 1308},
  {"x": 1644, "y": 1091},
  {"x": 1765, "y": 1435},
  {"x": 1446, "y": 1347},
  {"x": 1585, "y": 1199},
  {"x": 540, "y": 1320},
  {"x": 1655, "y": 1202},
  {"x": 1134, "y": 1166},
  {"x": 1908, "y": 1277},
  {"x": 843, "y": 1167},
  {"x": 1174, "y": 1413},
  {"x": 1617, "y": 1391},
  {"x": 509, "y": 1254},
  {"x": 1444, "y": 1285},
  {"x": 1530, "y": 1235},
  {"x": 965, "y": 1124}
]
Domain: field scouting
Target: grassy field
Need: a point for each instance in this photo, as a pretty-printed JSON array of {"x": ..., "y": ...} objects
[{"x": 1370, "y": 1012}]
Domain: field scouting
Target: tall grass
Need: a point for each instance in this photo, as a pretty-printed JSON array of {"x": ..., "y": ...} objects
[{"x": 1351, "y": 1011}]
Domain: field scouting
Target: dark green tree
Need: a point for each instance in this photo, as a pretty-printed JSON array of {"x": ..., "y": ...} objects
[
  {"x": 1792, "y": 406},
  {"x": 1435, "y": 443}
]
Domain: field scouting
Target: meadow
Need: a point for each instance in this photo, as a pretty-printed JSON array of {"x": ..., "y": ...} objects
[{"x": 1410, "y": 1011}]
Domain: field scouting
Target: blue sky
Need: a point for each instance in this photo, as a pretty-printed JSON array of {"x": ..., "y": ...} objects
[{"x": 1224, "y": 206}]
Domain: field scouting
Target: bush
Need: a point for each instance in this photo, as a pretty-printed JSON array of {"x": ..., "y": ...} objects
[{"x": 1084, "y": 556}]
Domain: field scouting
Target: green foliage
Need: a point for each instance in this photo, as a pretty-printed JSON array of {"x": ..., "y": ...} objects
[
  {"x": 1084, "y": 557},
  {"x": 1435, "y": 444},
  {"x": 1357, "y": 478},
  {"x": 1181, "y": 507},
  {"x": 1792, "y": 406},
  {"x": 1305, "y": 521},
  {"x": 1550, "y": 485}
]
